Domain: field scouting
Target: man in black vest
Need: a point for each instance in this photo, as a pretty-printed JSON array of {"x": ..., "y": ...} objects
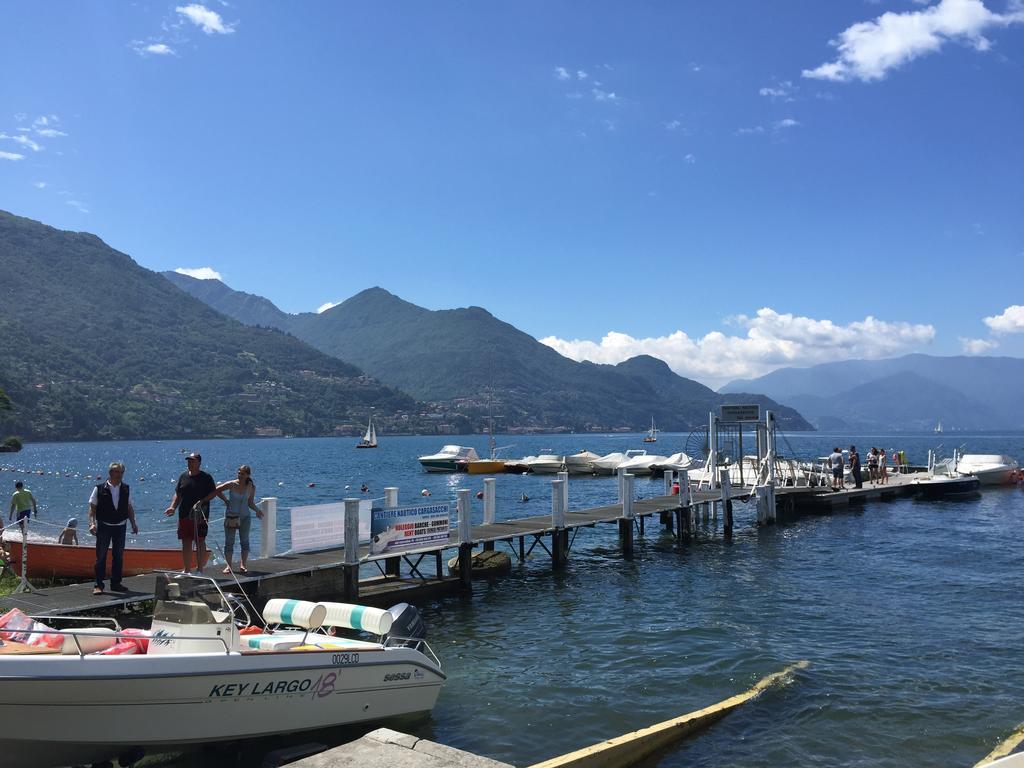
[{"x": 110, "y": 511}]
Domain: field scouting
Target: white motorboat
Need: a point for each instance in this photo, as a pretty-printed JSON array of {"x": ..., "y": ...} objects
[
  {"x": 641, "y": 463},
  {"x": 451, "y": 458},
  {"x": 674, "y": 462},
  {"x": 607, "y": 464},
  {"x": 989, "y": 468},
  {"x": 581, "y": 463},
  {"x": 195, "y": 678},
  {"x": 547, "y": 464}
]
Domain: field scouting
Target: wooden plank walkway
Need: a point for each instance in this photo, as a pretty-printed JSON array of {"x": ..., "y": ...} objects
[{"x": 307, "y": 574}]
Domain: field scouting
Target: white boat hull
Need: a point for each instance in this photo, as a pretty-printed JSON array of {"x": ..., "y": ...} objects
[{"x": 66, "y": 710}]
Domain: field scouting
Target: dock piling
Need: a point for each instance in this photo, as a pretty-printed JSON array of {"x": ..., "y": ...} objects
[
  {"x": 490, "y": 504},
  {"x": 628, "y": 514},
  {"x": 464, "y": 508},
  {"x": 351, "y": 566},
  {"x": 726, "y": 503},
  {"x": 391, "y": 497},
  {"x": 268, "y": 530},
  {"x": 559, "y": 538},
  {"x": 393, "y": 565},
  {"x": 564, "y": 477}
]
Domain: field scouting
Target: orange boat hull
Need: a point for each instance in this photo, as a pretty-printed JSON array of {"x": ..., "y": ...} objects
[{"x": 58, "y": 561}]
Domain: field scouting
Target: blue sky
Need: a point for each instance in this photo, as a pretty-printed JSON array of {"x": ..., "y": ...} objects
[{"x": 732, "y": 187}]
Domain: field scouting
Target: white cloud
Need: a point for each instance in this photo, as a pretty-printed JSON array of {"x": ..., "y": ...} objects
[
  {"x": 561, "y": 73},
  {"x": 25, "y": 141},
  {"x": 977, "y": 346},
  {"x": 773, "y": 340},
  {"x": 869, "y": 50},
  {"x": 39, "y": 184},
  {"x": 209, "y": 21},
  {"x": 50, "y": 133},
  {"x": 200, "y": 273},
  {"x": 673, "y": 125},
  {"x": 152, "y": 49},
  {"x": 1010, "y": 321},
  {"x": 78, "y": 205},
  {"x": 11, "y": 156},
  {"x": 788, "y": 122},
  {"x": 581, "y": 75},
  {"x": 782, "y": 91},
  {"x": 690, "y": 158},
  {"x": 600, "y": 95},
  {"x": 324, "y": 307},
  {"x": 755, "y": 130},
  {"x": 20, "y": 117}
]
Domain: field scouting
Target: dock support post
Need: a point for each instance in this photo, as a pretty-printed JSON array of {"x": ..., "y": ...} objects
[
  {"x": 559, "y": 540},
  {"x": 268, "y": 529},
  {"x": 351, "y": 566},
  {"x": 621, "y": 473},
  {"x": 769, "y": 420},
  {"x": 564, "y": 477},
  {"x": 668, "y": 481},
  {"x": 489, "y": 507},
  {"x": 761, "y": 495},
  {"x": 626, "y": 521},
  {"x": 463, "y": 507},
  {"x": 726, "y": 503},
  {"x": 393, "y": 565}
]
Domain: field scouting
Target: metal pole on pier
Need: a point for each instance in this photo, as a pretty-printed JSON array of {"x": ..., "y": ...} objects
[
  {"x": 490, "y": 507},
  {"x": 669, "y": 476},
  {"x": 559, "y": 536},
  {"x": 464, "y": 507},
  {"x": 684, "y": 512},
  {"x": 268, "y": 529},
  {"x": 564, "y": 477},
  {"x": 24, "y": 585},
  {"x": 393, "y": 565},
  {"x": 726, "y": 502},
  {"x": 628, "y": 514},
  {"x": 769, "y": 422},
  {"x": 621, "y": 474},
  {"x": 351, "y": 566}
]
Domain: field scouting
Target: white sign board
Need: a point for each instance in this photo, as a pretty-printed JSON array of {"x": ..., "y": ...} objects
[
  {"x": 322, "y": 526},
  {"x": 405, "y": 528}
]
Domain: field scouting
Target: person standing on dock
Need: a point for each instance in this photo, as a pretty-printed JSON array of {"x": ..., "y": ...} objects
[
  {"x": 192, "y": 497},
  {"x": 873, "y": 465},
  {"x": 23, "y": 503},
  {"x": 883, "y": 468},
  {"x": 110, "y": 511},
  {"x": 237, "y": 520},
  {"x": 855, "y": 467},
  {"x": 836, "y": 460}
]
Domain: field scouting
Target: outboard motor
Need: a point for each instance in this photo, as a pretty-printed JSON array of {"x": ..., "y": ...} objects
[{"x": 406, "y": 622}]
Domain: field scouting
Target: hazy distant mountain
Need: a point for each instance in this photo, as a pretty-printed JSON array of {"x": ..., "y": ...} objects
[
  {"x": 94, "y": 346},
  {"x": 910, "y": 392},
  {"x": 469, "y": 355}
]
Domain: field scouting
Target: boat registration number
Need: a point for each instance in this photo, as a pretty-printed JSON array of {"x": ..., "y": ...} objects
[{"x": 340, "y": 659}]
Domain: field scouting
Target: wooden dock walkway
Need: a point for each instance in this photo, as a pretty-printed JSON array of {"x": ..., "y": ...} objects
[{"x": 314, "y": 575}]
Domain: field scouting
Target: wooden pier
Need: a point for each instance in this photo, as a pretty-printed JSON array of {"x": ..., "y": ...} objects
[{"x": 341, "y": 571}]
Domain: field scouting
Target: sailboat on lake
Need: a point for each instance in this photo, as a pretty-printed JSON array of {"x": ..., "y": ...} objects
[
  {"x": 370, "y": 438},
  {"x": 652, "y": 433}
]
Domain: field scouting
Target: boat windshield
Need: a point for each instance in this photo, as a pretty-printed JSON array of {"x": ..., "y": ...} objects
[{"x": 186, "y": 599}]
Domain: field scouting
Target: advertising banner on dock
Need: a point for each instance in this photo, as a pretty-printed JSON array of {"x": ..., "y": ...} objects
[
  {"x": 404, "y": 528},
  {"x": 322, "y": 526}
]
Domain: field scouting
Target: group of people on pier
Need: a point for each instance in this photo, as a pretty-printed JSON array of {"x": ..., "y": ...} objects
[{"x": 877, "y": 464}]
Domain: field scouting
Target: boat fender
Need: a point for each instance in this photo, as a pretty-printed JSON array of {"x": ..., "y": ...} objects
[{"x": 406, "y": 622}]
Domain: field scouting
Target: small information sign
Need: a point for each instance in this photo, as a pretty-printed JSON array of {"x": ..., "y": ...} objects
[
  {"x": 741, "y": 413},
  {"x": 406, "y": 528}
]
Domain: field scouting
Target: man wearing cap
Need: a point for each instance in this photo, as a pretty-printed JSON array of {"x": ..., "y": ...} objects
[
  {"x": 194, "y": 487},
  {"x": 110, "y": 511}
]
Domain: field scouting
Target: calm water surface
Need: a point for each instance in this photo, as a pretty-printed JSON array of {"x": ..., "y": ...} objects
[{"x": 909, "y": 612}]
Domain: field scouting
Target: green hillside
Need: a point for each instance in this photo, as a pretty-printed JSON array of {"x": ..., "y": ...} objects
[
  {"x": 94, "y": 346},
  {"x": 468, "y": 356}
]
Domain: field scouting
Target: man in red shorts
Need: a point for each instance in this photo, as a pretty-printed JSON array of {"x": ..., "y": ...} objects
[{"x": 195, "y": 487}]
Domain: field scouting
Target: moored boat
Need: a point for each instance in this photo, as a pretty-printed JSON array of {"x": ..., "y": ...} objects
[
  {"x": 451, "y": 458},
  {"x": 157, "y": 691},
  {"x": 641, "y": 463},
  {"x": 946, "y": 486},
  {"x": 607, "y": 464},
  {"x": 485, "y": 467},
  {"x": 547, "y": 464},
  {"x": 581, "y": 463},
  {"x": 652, "y": 433},
  {"x": 990, "y": 469},
  {"x": 49, "y": 560}
]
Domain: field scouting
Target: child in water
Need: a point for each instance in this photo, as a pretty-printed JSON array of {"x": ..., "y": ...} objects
[{"x": 69, "y": 535}]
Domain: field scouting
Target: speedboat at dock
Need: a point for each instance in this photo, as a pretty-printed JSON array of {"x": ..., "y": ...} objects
[
  {"x": 581, "y": 463},
  {"x": 547, "y": 464},
  {"x": 208, "y": 670},
  {"x": 451, "y": 458},
  {"x": 990, "y": 469},
  {"x": 640, "y": 464}
]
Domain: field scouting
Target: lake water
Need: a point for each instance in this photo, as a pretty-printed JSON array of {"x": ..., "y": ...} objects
[{"x": 909, "y": 612}]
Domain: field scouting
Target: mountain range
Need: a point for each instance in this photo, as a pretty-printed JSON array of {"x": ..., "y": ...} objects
[
  {"x": 473, "y": 361},
  {"x": 912, "y": 392},
  {"x": 94, "y": 346}
]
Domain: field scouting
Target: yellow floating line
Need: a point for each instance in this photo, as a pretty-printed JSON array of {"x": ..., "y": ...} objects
[
  {"x": 628, "y": 749},
  {"x": 1005, "y": 747}
]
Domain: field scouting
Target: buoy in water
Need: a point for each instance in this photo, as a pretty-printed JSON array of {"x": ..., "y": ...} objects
[
  {"x": 312, "y": 485},
  {"x": 479, "y": 494}
]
